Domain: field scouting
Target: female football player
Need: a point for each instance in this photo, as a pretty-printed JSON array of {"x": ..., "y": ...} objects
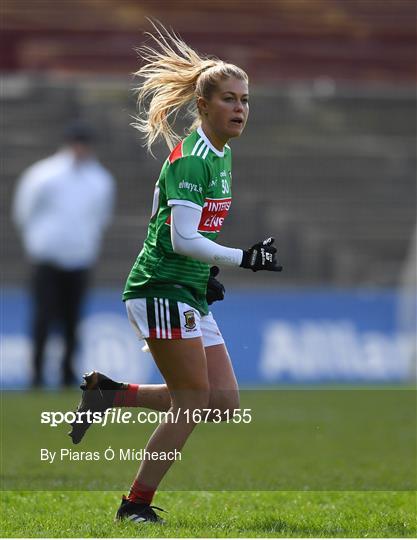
[{"x": 166, "y": 290}]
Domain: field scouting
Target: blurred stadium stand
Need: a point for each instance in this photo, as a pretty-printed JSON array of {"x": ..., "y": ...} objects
[
  {"x": 328, "y": 159},
  {"x": 272, "y": 39}
]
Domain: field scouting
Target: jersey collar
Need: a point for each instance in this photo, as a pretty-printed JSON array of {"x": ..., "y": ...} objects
[{"x": 208, "y": 143}]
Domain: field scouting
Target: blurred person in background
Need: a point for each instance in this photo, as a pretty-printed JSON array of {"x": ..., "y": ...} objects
[
  {"x": 171, "y": 283},
  {"x": 61, "y": 207}
]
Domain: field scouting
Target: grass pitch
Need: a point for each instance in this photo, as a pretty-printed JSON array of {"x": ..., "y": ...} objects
[
  {"x": 326, "y": 458},
  {"x": 214, "y": 514}
]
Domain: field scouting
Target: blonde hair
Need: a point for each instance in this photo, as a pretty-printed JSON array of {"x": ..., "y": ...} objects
[{"x": 174, "y": 76}]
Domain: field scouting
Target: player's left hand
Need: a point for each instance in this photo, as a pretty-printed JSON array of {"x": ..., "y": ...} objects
[
  {"x": 215, "y": 289},
  {"x": 261, "y": 256}
]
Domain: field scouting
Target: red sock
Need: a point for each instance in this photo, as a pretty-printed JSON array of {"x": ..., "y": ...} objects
[
  {"x": 139, "y": 493},
  {"x": 126, "y": 397}
]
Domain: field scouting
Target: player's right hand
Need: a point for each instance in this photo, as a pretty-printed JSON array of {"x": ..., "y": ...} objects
[
  {"x": 215, "y": 289},
  {"x": 261, "y": 256}
]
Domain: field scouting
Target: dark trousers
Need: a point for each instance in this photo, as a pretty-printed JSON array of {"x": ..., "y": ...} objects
[{"x": 57, "y": 297}]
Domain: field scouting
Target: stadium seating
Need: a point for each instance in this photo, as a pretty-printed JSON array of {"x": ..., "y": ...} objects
[
  {"x": 328, "y": 169},
  {"x": 327, "y": 162},
  {"x": 272, "y": 39}
]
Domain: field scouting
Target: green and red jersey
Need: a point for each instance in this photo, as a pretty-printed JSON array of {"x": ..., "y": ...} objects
[{"x": 195, "y": 174}]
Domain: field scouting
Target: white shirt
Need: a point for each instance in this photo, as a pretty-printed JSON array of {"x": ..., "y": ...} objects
[{"x": 61, "y": 207}]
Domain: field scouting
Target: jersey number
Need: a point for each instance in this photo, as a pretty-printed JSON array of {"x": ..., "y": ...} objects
[{"x": 225, "y": 186}]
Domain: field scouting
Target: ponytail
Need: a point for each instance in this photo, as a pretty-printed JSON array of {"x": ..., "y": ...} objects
[{"x": 174, "y": 75}]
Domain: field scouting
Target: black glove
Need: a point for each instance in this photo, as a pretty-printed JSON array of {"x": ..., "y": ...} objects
[
  {"x": 261, "y": 256},
  {"x": 215, "y": 290}
]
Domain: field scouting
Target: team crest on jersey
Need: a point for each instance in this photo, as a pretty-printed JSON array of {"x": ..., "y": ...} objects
[{"x": 189, "y": 319}]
